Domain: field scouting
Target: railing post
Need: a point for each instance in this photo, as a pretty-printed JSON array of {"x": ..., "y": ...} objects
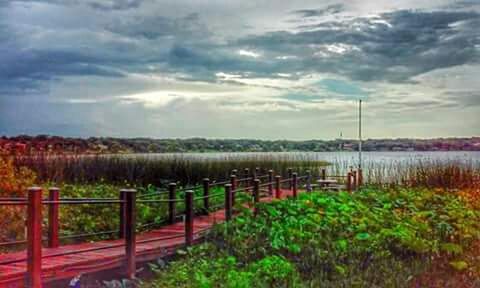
[
  {"x": 354, "y": 180},
  {"x": 233, "y": 182},
  {"x": 53, "y": 195},
  {"x": 228, "y": 202},
  {"x": 270, "y": 182},
  {"x": 34, "y": 238},
  {"x": 172, "y": 207},
  {"x": 309, "y": 182},
  {"x": 324, "y": 174},
  {"x": 206, "y": 191},
  {"x": 255, "y": 175},
  {"x": 360, "y": 177},
  {"x": 290, "y": 183},
  {"x": 278, "y": 192},
  {"x": 247, "y": 181},
  {"x": 130, "y": 231},
  {"x": 189, "y": 217},
  {"x": 121, "y": 230},
  {"x": 256, "y": 195},
  {"x": 295, "y": 185},
  {"x": 246, "y": 172},
  {"x": 349, "y": 182}
]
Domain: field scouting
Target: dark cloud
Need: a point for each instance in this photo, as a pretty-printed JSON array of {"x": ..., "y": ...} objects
[
  {"x": 153, "y": 27},
  {"x": 24, "y": 71},
  {"x": 329, "y": 10},
  {"x": 95, "y": 4},
  {"x": 395, "y": 47},
  {"x": 115, "y": 4}
]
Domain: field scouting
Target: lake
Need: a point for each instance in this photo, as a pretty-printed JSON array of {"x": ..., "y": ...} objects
[{"x": 342, "y": 158}]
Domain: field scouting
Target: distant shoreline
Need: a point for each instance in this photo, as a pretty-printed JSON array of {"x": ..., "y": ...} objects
[{"x": 55, "y": 144}]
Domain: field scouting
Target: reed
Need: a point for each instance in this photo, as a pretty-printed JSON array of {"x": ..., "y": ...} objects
[
  {"x": 142, "y": 170},
  {"x": 429, "y": 173},
  {"x": 190, "y": 169}
]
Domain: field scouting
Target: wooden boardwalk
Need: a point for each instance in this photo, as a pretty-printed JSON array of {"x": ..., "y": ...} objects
[{"x": 68, "y": 261}]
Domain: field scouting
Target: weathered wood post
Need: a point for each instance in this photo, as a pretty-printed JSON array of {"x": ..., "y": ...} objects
[
  {"x": 290, "y": 183},
  {"x": 294, "y": 184},
  {"x": 278, "y": 192},
  {"x": 172, "y": 204},
  {"x": 189, "y": 217},
  {"x": 349, "y": 182},
  {"x": 256, "y": 195},
  {"x": 247, "y": 180},
  {"x": 256, "y": 174},
  {"x": 121, "y": 230},
  {"x": 354, "y": 180},
  {"x": 270, "y": 182},
  {"x": 54, "y": 196},
  {"x": 324, "y": 174},
  {"x": 130, "y": 231},
  {"x": 206, "y": 191},
  {"x": 233, "y": 182},
  {"x": 309, "y": 181},
  {"x": 360, "y": 177},
  {"x": 246, "y": 172},
  {"x": 228, "y": 202},
  {"x": 34, "y": 238}
]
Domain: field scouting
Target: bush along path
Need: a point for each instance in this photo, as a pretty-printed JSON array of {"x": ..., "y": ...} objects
[{"x": 372, "y": 238}]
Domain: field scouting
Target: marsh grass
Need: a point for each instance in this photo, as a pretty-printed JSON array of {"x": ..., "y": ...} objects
[
  {"x": 429, "y": 173},
  {"x": 141, "y": 170}
]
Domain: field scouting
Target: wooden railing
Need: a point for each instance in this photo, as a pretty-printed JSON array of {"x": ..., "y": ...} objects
[{"x": 128, "y": 200}]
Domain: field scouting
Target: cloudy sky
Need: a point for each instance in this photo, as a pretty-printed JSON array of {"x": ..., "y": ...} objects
[{"x": 240, "y": 69}]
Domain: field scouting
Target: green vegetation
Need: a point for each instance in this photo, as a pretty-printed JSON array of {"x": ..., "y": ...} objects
[
  {"x": 45, "y": 143},
  {"x": 372, "y": 238},
  {"x": 158, "y": 171},
  {"x": 85, "y": 219}
]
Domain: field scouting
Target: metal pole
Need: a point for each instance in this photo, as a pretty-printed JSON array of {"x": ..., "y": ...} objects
[{"x": 360, "y": 134}]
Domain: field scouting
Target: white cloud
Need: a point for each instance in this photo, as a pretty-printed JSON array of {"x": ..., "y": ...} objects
[{"x": 248, "y": 53}]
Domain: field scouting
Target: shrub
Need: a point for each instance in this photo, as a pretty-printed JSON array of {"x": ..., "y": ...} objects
[
  {"x": 13, "y": 183},
  {"x": 371, "y": 238}
]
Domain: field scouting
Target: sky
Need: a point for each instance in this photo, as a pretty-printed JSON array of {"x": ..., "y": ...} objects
[{"x": 262, "y": 69}]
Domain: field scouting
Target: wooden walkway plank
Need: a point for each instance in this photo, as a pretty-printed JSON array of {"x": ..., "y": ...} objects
[{"x": 70, "y": 265}]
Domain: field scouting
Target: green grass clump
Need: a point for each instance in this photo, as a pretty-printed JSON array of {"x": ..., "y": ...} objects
[{"x": 372, "y": 238}]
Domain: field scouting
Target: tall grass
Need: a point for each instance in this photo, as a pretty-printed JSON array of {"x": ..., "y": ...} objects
[
  {"x": 157, "y": 170},
  {"x": 430, "y": 173}
]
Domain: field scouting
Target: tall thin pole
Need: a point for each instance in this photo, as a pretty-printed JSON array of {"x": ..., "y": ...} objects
[{"x": 360, "y": 134}]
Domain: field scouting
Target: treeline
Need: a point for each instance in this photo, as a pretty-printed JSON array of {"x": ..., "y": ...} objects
[{"x": 56, "y": 144}]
